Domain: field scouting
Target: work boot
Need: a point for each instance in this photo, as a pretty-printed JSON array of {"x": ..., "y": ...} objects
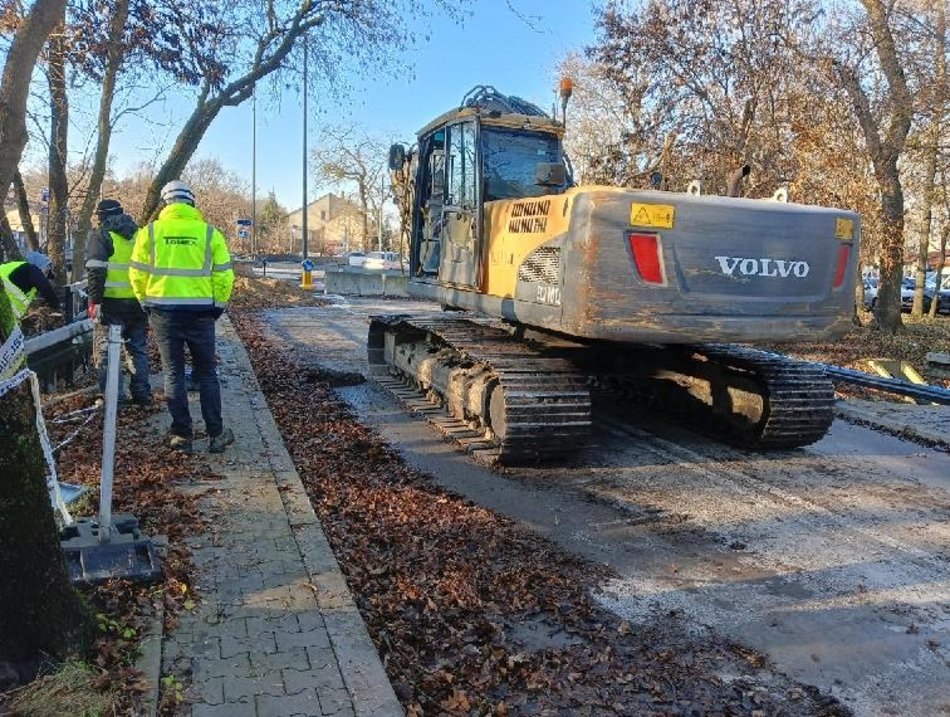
[
  {"x": 221, "y": 441},
  {"x": 179, "y": 443}
]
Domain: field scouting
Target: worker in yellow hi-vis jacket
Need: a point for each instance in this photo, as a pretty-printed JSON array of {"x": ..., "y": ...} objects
[{"x": 181, "y": 274}]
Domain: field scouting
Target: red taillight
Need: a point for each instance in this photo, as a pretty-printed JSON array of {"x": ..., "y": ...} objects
[
  {"x": 646, "y": 255},
  {"x": 844, "y": 253}
]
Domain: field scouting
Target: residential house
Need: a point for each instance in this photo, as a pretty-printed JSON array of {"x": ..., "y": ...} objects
[{"x": 334, "y": 226}]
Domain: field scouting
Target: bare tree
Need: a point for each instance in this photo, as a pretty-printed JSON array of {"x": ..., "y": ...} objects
[
  {"x": 26, "y": 216},
  {"x": 21, "y": 58},
  {"x": 933, "y": 98},
  {"x": 348, "y": 155},
  {"x": 366, "y": 32},
  {"x": 272, "y": 225},
  {"x": 723, "y": 96},
  {"x": 11, "y": 251},
  {"x": 115, "y": 52},
  {"x": 944, "y": 237},
  {"x": 58, "y": 146},
  {"x": 222, "y": 195},
  {"x": 885, "y": 133}
]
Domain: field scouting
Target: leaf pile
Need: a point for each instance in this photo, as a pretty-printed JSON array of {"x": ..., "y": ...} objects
[
  {"x": 254, "y": 294},
  {"x": 39, "y": 319},
  {"x": 147, "y": 480},
  {"x": 474, "y": 614}
]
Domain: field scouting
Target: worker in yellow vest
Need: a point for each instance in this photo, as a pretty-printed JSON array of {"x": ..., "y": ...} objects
[
  {"x": 112, "y": 301},
  {"x": 22, "y": 280},
  {"x": 181, "y": 273}
]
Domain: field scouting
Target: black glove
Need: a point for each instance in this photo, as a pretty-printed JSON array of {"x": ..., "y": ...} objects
[{"x": 216, "y": 312}]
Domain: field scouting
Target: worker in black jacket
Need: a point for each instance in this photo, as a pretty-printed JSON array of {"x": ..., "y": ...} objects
[
  {"x": 111, "y": 300},
  {"x": 24, "y": 279}
]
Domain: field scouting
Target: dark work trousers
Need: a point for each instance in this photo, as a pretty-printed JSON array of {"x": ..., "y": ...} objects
[
  {"x": 134, "y": 336},
  {"x": 173, "y": 330}
]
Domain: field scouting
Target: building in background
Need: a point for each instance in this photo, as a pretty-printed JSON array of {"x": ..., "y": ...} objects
[{"x": 334, "y": 226}]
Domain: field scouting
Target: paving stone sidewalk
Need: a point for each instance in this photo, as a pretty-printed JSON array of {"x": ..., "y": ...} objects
[{"x": 277, "y": 631}]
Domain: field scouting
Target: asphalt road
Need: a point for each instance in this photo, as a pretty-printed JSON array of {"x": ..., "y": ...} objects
[{"x": 833, "y": 560}]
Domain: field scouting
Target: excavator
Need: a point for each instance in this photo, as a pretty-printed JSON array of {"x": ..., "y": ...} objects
[{"x": 556, "y": 292}]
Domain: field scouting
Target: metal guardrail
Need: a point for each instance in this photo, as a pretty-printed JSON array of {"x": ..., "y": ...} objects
[{"x": 75, "y": 301}]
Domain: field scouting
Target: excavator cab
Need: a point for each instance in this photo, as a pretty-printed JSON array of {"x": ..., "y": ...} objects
[{"x": 493, "y": 147}]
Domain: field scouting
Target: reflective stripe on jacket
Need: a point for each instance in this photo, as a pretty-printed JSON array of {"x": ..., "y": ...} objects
[
  {"x": 179, "y": 261},
  {"x": 19, "y": 301},
  {"x": 117, "y": 285}
]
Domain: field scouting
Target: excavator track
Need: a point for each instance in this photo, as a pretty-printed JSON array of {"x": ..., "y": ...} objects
[
  {"x": 527, "y": 405},
  {"x": 740, "y": 395}
]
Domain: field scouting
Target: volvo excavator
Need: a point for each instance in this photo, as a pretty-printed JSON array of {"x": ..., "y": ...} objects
[{"x": 565, "y": 290}]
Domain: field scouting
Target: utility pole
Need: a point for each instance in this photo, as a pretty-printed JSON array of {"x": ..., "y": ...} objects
[
  {"x": 305, "y": 207},
  {"x": 254, "y": 247},
  {"x": 382, "y": 198}
]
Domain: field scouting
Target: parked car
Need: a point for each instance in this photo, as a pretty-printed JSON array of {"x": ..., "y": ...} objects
[
  {"x": 356, "y": 258},
  {"x": 383, "y": 260},
  {"x": 907, "y": 293},
  {"x": 870, "y": 292},
  {"x": 942, "y": 295}
]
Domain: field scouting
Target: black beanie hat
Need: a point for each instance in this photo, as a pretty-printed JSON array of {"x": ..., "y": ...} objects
[{"x": 108, "y": 208}]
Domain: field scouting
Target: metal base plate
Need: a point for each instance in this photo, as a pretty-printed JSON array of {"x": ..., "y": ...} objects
[{"x": 128, "y": 554}]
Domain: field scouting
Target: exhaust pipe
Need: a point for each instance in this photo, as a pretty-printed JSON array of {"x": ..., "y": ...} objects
[{"x": 735, "y": 179}]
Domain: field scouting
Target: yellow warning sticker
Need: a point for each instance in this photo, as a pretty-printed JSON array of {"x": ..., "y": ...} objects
[
  {"x": 844, "y": 229},
  {"x": 652, "y": 215}
]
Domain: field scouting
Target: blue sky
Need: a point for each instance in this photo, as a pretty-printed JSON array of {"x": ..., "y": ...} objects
[{"x": 518, "y": 55}]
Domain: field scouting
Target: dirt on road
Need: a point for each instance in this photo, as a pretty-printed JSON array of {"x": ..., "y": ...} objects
[
  {"x": 832, "y": 561},
  {"x": 473, "y": 612}
]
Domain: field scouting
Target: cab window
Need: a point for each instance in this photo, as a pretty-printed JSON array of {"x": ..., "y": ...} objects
[{"x": 461, "y": 165}]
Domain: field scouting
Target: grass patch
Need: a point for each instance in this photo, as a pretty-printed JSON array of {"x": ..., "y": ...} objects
[{"x": 70, "y": 690}]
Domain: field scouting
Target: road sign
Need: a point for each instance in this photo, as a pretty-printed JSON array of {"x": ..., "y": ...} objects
[
  {"x": 307, "y": 265},
  {"x": 244, "y": 222},
  {"x": 243, "y": 233}
]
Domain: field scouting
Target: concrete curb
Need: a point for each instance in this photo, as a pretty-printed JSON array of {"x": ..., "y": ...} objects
[
  {"x": 149, "y": 661},
  {"x": 890, "y": 419},
  {"x": 364, "y": 676}
]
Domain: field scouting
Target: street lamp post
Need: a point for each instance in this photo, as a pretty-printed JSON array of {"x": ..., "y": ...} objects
[
  {"x": 379, "y": 224},
  {"x": 305, "y": 208},
  {"x": 254, "y": 247}
]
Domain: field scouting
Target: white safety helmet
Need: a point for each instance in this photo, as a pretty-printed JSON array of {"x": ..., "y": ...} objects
[
  {"x": 39, "y": 260},
  {"x": 177, "y": 192}
]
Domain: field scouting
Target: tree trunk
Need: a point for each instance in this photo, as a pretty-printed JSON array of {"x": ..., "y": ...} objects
[
  {"x": 885, "y": 147},
  {"x": 185, "y": 146},
  {"x": 942, "y": 94},
  {"x": 941, "y": 261},
  {"x": 923, "y": 243},
  {"x": 17, "y": 71},
  {"x": 59, "y": 133},
  {"x": 11, "y": 251},
  {"x": 888, "y": 310},
  {"x": 115, "y": 56},
  {"x": 26, "y": 217},
  {"x": 42, "y": 614}
]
